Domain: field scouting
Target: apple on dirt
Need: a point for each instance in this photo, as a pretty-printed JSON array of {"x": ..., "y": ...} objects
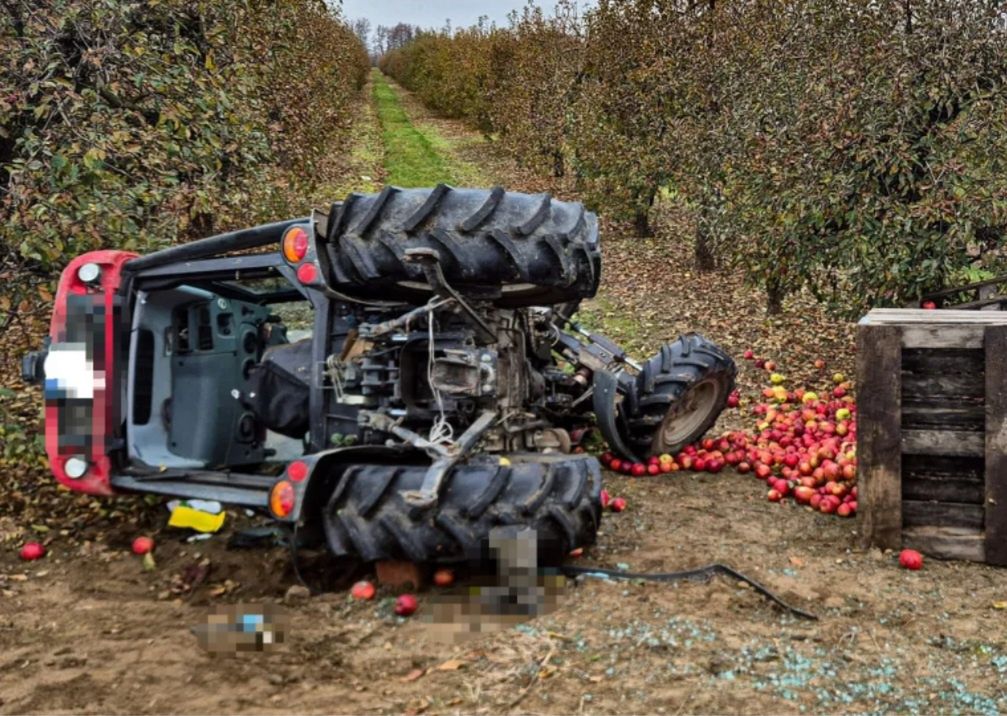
[
  {"x": 363, "y": 591},
  {"x": 911, "y": 559},
  {"x": 31, "y": 551},
  {"x": 142, "y": 545},
  {"x": 406, "y": 605},
  {"x": 444, "y": 577}
]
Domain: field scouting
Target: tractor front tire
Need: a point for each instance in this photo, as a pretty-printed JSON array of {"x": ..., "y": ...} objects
[
  {"x": 559, "y": 496},
  {"x": 680, "y": 393}
]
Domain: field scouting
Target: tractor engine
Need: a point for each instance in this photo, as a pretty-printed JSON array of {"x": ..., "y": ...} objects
[{"x": 430, "y": 373}]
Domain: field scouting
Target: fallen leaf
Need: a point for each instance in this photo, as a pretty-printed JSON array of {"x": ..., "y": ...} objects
[
  {"x": 148, "y": 562},
  {"x": 450, "y": 665},
  {"x": 1000, "y": 605},
  {"x": 413, "y": 675}
]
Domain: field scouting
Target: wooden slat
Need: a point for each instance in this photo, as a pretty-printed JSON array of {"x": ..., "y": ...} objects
[
  {"x": 879, "y": 390},
  {"x": 943, "y": 478},
  {"x": 942, "y": 514},
  {"x": 902, "y": 316},
  {"x": 946, "y": 542},
  {"x": 942, "y": 442},
  {"x": 948, "y": 385},
  {"x": 942, "y": 490},
  {"x": 943, "y": 414},
  {"x": 996, "y": 445},
  {"x": 942, "y": 337}
]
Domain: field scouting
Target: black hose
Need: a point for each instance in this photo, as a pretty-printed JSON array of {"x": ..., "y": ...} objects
[{"x": 699, "y": 573}]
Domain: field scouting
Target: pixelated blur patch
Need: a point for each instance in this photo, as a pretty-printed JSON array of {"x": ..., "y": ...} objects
[
  {"x": 518, "y": 592},
  {"x": 235, "y": 628},
  {"x": 69, "y": 372}
]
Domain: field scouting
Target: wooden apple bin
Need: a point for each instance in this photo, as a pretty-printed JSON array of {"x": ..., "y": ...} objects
[{"x": 932, "y": 432}]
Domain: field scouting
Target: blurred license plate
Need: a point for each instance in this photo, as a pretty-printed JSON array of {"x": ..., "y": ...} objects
[{"x": 69, "y": 373}]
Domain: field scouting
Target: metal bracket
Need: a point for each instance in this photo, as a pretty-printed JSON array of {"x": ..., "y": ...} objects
[
  {"x": 375, "y": 330},
  {"x": 426, "y": 496},
  {"x": 606, "y": 387},
  {"x": 430, "y": 261}
]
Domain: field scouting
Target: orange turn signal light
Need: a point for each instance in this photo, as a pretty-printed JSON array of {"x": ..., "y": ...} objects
[
  {"x": 295, "y": 244},
  {"x": 281, "y": 498}
]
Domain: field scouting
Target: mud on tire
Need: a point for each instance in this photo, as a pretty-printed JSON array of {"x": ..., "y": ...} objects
[
  {"x": 557, "y": 495},
  {"x": 514, "y": 249},
  {"x": 679, "y": 394}
]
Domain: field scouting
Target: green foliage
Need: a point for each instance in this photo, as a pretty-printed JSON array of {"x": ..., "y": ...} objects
[
  {"x": 854, "y": 148},
  {"x": 135, "y": 125}
]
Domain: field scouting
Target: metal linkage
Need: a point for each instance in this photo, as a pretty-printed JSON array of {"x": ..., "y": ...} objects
[{"x": 446, "y": 455}]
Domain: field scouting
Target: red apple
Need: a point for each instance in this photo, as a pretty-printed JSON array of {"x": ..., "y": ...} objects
[
  {"x": 774, "y": 496},
  {"x": 803, "y": 494},
  {"x": 653, "y": 469},
  {"x": 32, "y": 551},
  {"x": 142, "y": 545},
  {"x": 363, "y": 591},
  {"x": 639, "y": 469},
  {"x": 911, "y": 559},
  {"x": 749, "y": 354},
  {"x": 929, "y": 305},
  {"x": 444, "y": 577},
  {"x": 406, "y": 605},
  {"x": 618, "y": 504}
]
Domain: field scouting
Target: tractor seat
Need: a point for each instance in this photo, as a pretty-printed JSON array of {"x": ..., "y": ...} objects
[{"x": 280, "y": 386}]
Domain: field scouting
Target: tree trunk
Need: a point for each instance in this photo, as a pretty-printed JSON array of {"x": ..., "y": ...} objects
[
  {"x": 706, "y": 260},
  {"x": 558, "y": 167},
  {"x": 641, "y": 222},
  {"x": 774, "y": 298}
]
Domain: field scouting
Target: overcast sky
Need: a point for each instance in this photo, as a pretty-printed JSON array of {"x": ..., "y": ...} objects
[{"x": 433, "y": 13}]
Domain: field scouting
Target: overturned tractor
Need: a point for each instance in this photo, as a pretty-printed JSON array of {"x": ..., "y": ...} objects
[{"x": 399, "y": 375}]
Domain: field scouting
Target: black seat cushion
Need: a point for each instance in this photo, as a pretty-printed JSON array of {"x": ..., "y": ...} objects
[{"x": 280, "y": 386}]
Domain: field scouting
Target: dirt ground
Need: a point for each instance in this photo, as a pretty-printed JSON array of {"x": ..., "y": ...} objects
[{"x": 89, "y": 630}]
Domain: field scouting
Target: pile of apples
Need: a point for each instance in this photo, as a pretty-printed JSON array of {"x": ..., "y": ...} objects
[{"x": 803, "y": 445}]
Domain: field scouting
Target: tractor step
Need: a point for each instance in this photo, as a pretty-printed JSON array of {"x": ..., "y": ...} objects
[{"x": 229, "y": 488}]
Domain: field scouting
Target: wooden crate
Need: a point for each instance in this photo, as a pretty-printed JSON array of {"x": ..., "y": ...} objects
[{"x": 932, "y": 432}]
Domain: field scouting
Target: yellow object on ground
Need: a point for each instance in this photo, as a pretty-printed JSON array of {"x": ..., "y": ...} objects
[{"x": 185, "y": 516}]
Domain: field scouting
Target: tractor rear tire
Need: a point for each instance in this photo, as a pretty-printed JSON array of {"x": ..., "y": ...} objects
[
  {"x": 559, "y": 496},
  {"x": 680, "y": 393},
  {"x": 509, "y": 248}
]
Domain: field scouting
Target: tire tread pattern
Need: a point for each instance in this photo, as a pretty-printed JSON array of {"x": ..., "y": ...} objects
[
  {"x": 666, "y": 378},
  {"x": 557, "y": 495},
  {"x": 487, "y": 239}
]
